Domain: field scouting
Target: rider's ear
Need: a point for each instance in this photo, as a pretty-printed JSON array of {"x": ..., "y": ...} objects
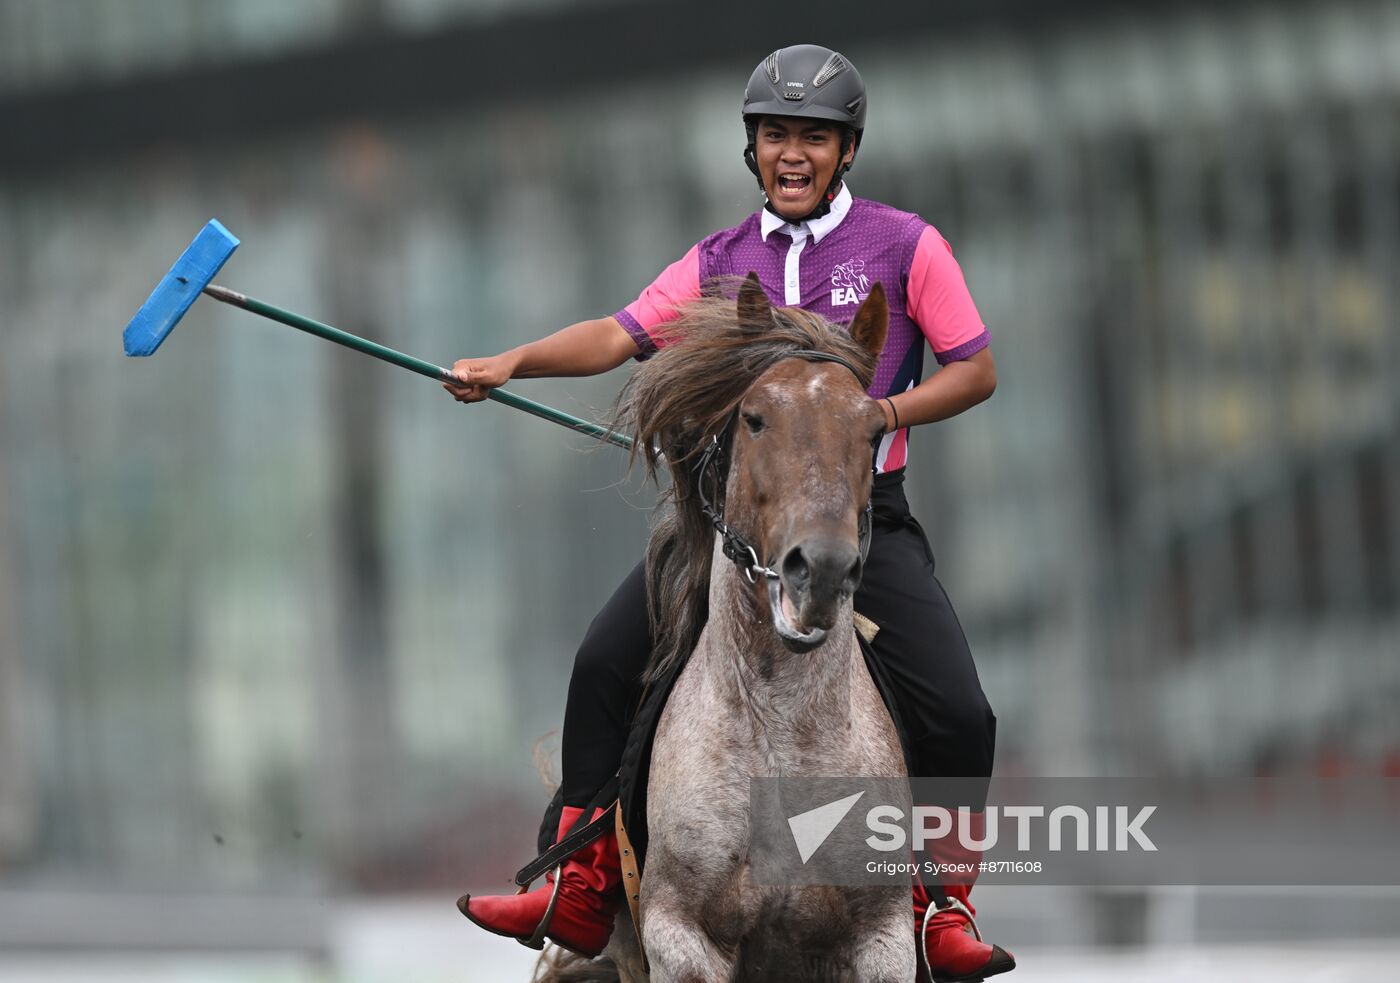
[
  {"x": 872, "y": 321},
  {"x": 755, "y": 313}
]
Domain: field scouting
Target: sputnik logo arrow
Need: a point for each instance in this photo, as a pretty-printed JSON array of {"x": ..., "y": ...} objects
[{"x": 811, "y": 828}]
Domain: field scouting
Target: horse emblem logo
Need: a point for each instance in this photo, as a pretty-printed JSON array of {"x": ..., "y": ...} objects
[{"x": 850, "y": 282}]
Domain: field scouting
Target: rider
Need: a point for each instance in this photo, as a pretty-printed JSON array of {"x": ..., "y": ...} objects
[{"x": 814, "y": 246}]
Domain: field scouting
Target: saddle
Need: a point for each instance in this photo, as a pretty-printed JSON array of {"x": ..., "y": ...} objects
[{"x": 624, "y": 797}]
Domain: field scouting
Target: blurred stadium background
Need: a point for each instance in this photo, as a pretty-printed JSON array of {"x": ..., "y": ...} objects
[{"x": 280, "y": 626}]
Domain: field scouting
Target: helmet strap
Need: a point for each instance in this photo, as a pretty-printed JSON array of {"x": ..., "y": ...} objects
[{"x": 751, "y": 153}]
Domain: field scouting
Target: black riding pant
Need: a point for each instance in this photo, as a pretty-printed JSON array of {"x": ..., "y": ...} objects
[{"x": 950, "y": 727}]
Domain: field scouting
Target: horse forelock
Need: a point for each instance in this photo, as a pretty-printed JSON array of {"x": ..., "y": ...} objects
[
  {"x": 693, "y": 385},
  {"x": 673, "y": 404}
]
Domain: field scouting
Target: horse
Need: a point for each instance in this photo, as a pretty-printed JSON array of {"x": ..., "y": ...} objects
[{"x": 761, "y": 416}]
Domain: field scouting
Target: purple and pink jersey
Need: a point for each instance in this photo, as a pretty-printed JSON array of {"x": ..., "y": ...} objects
[{"x": 827, "y": 266}]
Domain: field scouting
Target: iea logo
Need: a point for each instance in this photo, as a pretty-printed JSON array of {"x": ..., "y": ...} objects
[{"x": 810, "y": 829}]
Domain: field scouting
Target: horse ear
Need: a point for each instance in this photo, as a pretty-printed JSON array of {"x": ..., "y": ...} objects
[
  {"x": 755, "y": 313},
  {"x": 872, "y": 321}
]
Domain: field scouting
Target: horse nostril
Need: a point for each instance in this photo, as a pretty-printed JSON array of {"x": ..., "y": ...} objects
[
  {"x": 853, "y": 575},
  {"x": 796, "y": 570},
  {"x": 819, "y": 570}
]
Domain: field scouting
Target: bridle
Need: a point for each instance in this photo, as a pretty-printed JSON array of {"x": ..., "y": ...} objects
[{"x": 709, "y": 484}]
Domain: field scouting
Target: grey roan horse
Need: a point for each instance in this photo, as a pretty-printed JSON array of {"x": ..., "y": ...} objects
[{"x": 775, "y": 684}]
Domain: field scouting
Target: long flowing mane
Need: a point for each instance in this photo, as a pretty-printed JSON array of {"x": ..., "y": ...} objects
[{"x": 671, "y": 406}]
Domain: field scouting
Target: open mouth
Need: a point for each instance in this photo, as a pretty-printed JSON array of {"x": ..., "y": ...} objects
[
  {"x": 791, "y": 184},
  {"x": 785, "y": 620}
]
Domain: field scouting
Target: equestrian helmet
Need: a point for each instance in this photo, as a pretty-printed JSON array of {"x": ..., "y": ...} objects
[{"x": 811, "y": 82}]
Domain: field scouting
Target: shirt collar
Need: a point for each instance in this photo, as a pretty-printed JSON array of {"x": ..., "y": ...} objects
[{"x": 817, "y": 228}]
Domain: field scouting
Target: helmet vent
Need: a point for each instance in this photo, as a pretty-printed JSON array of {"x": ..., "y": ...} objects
[
  {"x": 770, "y": 65},
  {"x": 834, "y": 66}
]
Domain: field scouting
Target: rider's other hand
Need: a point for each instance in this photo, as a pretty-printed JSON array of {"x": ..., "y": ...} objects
[{"x": 477, "y": 376}]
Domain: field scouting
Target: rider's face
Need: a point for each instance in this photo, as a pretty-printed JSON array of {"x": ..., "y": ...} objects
[{"x": 796, "y": 159}]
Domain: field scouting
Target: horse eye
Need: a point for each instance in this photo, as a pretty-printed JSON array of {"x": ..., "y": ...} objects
[{"x": 754, "y": 422}]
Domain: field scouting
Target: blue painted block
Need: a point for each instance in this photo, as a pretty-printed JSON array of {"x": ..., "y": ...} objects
[{"x": 179, "y": 288}]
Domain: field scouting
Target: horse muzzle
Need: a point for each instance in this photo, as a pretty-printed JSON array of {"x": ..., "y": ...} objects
[{"x": 815, "y": 577}]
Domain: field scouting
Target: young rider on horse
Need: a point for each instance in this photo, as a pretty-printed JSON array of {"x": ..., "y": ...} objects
[{"x": 813, "y": 246}]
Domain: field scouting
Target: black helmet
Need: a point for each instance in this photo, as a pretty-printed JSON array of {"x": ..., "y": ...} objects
[{"x": 809, "y": 81}]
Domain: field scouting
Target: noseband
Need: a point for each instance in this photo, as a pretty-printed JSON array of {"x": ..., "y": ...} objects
[{"x": 709, "y": 471}]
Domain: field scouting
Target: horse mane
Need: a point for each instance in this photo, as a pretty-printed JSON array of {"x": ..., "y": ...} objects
[{"x": 671, "y": 406}]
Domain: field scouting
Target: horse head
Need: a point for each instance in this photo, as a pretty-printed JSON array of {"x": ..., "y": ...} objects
[
  {"x": 760, "y": 415},
  {"x": 800, "y": 470}
]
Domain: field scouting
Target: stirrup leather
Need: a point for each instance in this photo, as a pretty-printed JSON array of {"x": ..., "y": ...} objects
[{"x": 567, "y": 846}]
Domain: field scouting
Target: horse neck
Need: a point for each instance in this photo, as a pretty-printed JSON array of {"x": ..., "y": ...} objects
[{"x": 745, "y": 658}]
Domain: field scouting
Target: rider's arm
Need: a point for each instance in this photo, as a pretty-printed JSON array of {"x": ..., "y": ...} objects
[
  {"x": 589, "y": 347},
  {"x": 585, "y": 348},
  {"x": 942, "y": 307},
  {"x": 956, "y": 387}
]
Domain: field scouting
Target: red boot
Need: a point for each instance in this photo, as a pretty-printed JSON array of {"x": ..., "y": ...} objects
[
  {"x": 576, "y": 911},
  {"x": 950, "y": 944}
]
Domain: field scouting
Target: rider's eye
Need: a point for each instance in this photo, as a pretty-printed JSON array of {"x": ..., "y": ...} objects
[{"x": 754, "y": 422}]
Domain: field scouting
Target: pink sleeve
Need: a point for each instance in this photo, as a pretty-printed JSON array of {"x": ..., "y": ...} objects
[
  {"x": 659, "y": 303},
  {"x": 940, "y": 304}
]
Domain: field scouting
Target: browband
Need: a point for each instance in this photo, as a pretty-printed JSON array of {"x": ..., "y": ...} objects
[{"x": 812, "y": 355}]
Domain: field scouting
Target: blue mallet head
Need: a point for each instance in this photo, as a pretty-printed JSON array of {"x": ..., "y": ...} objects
[{"x": 178, "y": 289}]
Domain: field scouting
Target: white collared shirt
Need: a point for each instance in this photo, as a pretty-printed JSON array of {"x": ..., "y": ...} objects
[{"x": 816, "y": 228}]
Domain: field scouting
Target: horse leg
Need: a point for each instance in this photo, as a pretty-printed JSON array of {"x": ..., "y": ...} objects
[
  {"x": 887, "y": 955},
  {"x": 681, "y": 952},
  {"x": 626, "y": 950},
  {"x": 886, "y": 958}
]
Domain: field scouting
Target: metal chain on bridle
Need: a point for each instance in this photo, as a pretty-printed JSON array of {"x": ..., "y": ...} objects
[{"x": 709, "y": 478}]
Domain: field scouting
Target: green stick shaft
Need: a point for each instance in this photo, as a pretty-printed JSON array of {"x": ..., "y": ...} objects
[{"x": 428, "y": 369}]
